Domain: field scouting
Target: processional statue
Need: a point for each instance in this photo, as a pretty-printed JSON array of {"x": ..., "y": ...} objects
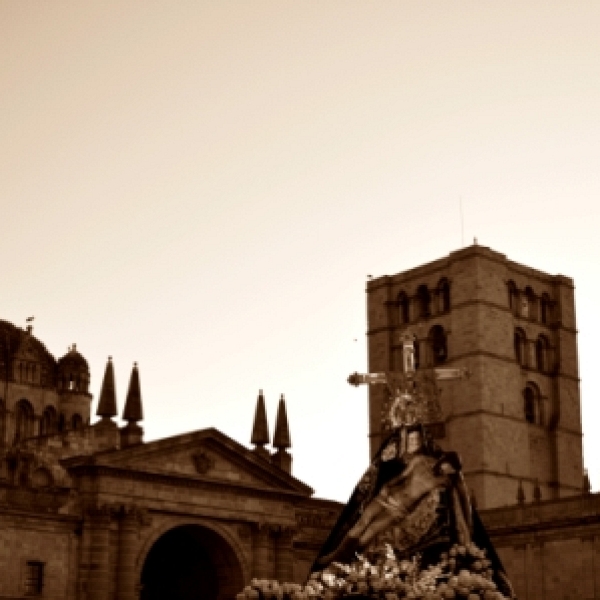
[{"x": 413, "y": 497}]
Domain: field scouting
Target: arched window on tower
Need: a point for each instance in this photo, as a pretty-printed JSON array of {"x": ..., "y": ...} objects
[
  {"x": 443, "y": 295},
  {"x": 24, "y": 420},
  {"x": 541, "y": 354},
  {"x": 532, "y": 405},
  {"x": 513, "y": 298},
  {"x": 529, "y": 304},
  {"x": 520, "y": 343},
  {"x": 545, "y": 309},
  {"x": 424, "y": 301},
  {"x": 438, "y": 344},
  {"x": 529, "y": 405},
  {"x": 403, "y": 310}
]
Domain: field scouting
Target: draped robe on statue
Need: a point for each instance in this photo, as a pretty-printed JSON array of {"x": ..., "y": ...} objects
[{"x": 412, "y": 497}]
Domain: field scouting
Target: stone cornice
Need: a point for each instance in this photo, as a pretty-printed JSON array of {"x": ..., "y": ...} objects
[
  {"x": 504, "y": 475},
  {"x": 546, "y": 516},
  {"x": 50, "y": 519},
  {"x": 545, "y": 530},
  {"x": 469, "y": 252},
  {"x": 179, "y": 480},
  {"x": 482, "y": 411},
  {"x": 256, "y": 520}
]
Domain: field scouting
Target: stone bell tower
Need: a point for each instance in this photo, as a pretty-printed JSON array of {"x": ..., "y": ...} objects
[{"x": 516, "y": 421}]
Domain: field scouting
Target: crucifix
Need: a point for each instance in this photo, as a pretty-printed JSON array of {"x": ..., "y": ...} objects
[{"x": 414, "y": 393}]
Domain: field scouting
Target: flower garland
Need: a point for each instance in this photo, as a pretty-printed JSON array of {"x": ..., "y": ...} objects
[{"x": 462, "y": 572}]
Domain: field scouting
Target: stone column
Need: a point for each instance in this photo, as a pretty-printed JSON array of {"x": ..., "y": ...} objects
[
  {"x": 130, "y": 519},
  {"x": 262, "y": 567},
  {"x": 284, "y": 554},
  {"x": 99, "y": 576}
]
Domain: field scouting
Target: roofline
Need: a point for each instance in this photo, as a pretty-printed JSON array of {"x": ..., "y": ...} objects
[{"x": 211, "y": 432}]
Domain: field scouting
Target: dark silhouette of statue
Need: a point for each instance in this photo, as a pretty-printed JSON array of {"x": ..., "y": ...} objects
[{"x": 412, "y": 497}]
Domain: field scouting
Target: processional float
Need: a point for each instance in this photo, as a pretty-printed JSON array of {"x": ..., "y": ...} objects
[{"x": 409, "y": 529}]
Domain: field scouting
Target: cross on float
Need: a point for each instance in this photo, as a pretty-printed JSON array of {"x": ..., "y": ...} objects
[{"x": 414, "y": 393}]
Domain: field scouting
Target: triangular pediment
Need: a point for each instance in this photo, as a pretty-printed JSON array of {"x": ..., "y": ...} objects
[{"x": 207, "y": 454}]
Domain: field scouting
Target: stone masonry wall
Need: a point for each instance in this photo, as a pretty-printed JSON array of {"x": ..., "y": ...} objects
[
  {"x": 49, "y": 540},
  {"x": 550, "y": 550}
]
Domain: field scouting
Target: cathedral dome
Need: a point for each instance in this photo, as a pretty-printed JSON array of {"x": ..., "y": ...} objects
[
  {"x": 73, "y": 371},
  {"x": 73, "y": 359}
]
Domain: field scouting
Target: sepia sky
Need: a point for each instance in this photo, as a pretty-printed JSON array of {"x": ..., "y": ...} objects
[{"x": 203, "y": 187}]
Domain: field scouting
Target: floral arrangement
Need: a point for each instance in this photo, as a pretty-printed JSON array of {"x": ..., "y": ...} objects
[{"x": 462, "y": 572}]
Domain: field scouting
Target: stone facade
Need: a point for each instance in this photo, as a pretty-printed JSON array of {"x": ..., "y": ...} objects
[
  {"x": 91, "y": 512},
  {"x": 516, "y": 421}
]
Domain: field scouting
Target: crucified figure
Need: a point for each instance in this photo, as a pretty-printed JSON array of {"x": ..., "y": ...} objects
[{"x": 399, "y": 497}]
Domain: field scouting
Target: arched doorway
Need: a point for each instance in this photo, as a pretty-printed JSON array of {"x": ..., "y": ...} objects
[{"x": 191, "y": 562}]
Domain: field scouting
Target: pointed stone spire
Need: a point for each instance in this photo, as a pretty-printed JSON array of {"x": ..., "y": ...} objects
[
  {"x": 106, "y": 431},
  {"x": 133, "y": 404},
  {"x": 107, "y": 404},
  {"x": 281, "y": 439},
  {"x": 132, "y": 434},
  {"x": 260, "y": 428}
]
